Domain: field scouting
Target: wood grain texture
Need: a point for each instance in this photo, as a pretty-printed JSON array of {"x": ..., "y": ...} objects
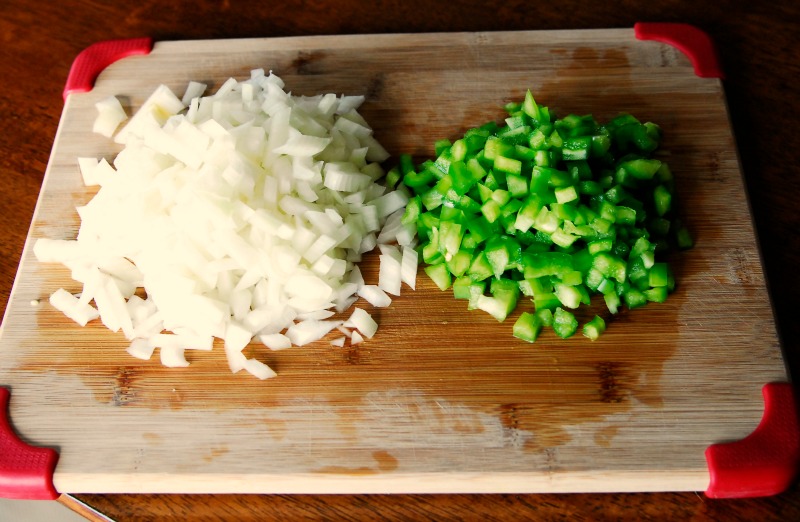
[{"x": 754, "y": 74}]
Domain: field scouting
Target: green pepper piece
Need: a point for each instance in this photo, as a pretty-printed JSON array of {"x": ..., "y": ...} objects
[
  {"x": 594, "y": 328},
  {"x": 662, "y": 200},
  {"x": 491, "y": 210},
  {"x": 658, "y": 275},
  {"x": 503, "y": 300},
  {"x": 563, "y": 239},
  {"x": 440, "y": 275},
  {"x": 634, "y": 298},
  {"x": 577, "y": 148},
  {"x": 495, "y": 147},
  {"x": 656, "y": 295},
  {"x": 530, "y": 108},
  {"x": 459, "y": 262},
  {"x": 413, "y": 211},
  {"x": 480, "y": 229},
  {"x": 517, "y": 185},
  {"x": 569, "y": 296},
  {"x": 450, "y": 235},
  {"x": 527, "y": 327},
  {"x": 546, "y": 302},
  {"x": 419, "y": 181},
  {"x": 541, "y": 264},
  {"x": 566, "y": 194},
  {"x": 498, "y": 255},
  {"x": 508, "y": 164},
  {"x": 464, "y": 287},
  {"x": 641, "y": 168},
  {"x": 564, "y": 323},
  {"x": 612, "y": 301},
  {"x": 480, "y": 268},
  {"x": 526, "y": 216},
  {"x": 610, "y": 266},
  {"x": 440, "y": 146},
  {"x": 458, "y": 150},
  {"x": 461, "y": 177}
]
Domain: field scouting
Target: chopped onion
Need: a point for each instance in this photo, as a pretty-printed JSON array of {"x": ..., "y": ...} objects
[
  {"x": 259, "y": 369},
  {"x": 408, "y": 267},
  {"x": 363, "y": 322},
  {"x": 276, "y": 341},
  {"x": 309, "y": 331},
  {"x": 109, "y": 115},
  {"x": 70, "y": 306},
  {"x": 389, "y": 275},
  {"x": 193, "y": 90},
  {"x": 141, "y": 348},
  {"x": 241, "y": 214},
  {"x": 346, "y": 331},
  {"x": 173, "y": 357},
  {"x": 375, "y": 296}
]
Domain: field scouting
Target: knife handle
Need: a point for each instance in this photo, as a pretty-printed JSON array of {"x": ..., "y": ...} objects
[{"x": 26, "y": 472}]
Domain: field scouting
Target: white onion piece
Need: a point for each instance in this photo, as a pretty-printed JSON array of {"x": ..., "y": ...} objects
[
  {"x": 141, "y": 349},
  {"x": 57, "y": 250},
  {"x": 346, "y": 331},
  {"x": 409, "y": 265},
  {"x": 356, "y": 338},
  {"x": 193, "y": 90},
  {"x": 259, "y": 369},
  {"x": 237, "y": 361},
  {"x": 237, "y": 337},
  {"x": 109, "y": 115},
  {"x": 363, "y": 322},
  {"x": 111, "y": 306},
  {"x": 241, "y": 215},
  {"x": 275, "y": 341},
  {"x": 309, "y": 331},
  {"x": 154, "y": 112},
  {"x": 375, "y": 296},
  {"x": 391, "y": 227},
  {"x": 349, "y": 103},
  {"x": 173, "y": 357},
  {"x": 339, "y": 341},
  {"x": 390, "y": 250},
  {"x": 318, "y": 315},
  {"x": 390, "y": 202},
  {"x": 356, "y": 278},
  {"x": 70, "y": 306},
  {"x": 345, "y": 181},
  {"x": 389, "y": 275},
  {"x": 368, "y": 243}
]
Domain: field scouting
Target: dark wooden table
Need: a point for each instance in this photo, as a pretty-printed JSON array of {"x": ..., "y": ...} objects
[{"x": 759, "y": 46}]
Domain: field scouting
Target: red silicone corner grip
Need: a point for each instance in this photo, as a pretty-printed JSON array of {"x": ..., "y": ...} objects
[
  {"x": 693, "y": 42},
  {"x": 766, "y": 461},
  {"x": 92, "y": 60},
  {"x": 26, "y": 472}
]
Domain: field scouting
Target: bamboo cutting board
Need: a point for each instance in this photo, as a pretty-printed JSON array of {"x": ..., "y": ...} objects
[{"x": 442, "y": 399}]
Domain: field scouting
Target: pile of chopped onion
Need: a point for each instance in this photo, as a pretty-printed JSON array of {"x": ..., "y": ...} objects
[{"x": 242, "y": 215}]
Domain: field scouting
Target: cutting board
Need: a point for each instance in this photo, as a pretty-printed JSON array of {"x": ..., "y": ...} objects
[{"x": 441, "y": 399}]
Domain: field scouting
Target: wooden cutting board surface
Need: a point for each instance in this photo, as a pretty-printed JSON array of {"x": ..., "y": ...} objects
[{"x": 442, "y": 399}]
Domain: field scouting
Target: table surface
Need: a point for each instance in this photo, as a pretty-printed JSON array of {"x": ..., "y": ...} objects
[{"x": 758, "y": 48}]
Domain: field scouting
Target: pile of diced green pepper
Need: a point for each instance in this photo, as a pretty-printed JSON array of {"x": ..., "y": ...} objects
[{"x": 554, "y": 210}]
